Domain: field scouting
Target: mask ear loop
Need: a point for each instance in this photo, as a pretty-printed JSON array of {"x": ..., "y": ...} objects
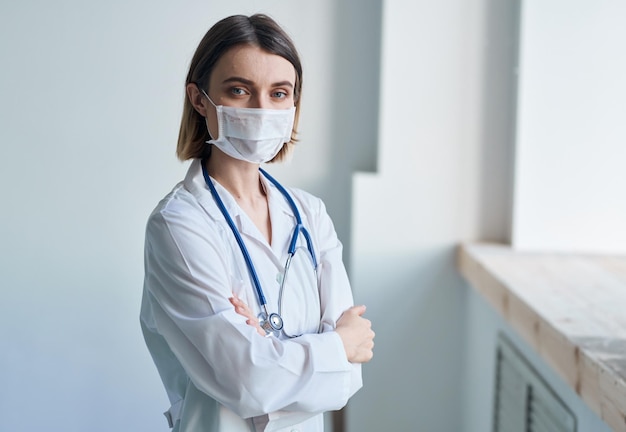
[
  {"x": 218, "y": 110},
  {"x": 207, "y": 96}
]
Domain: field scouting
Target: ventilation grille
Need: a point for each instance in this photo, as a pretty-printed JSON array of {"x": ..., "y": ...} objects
[{"x": 524, "y": 402}]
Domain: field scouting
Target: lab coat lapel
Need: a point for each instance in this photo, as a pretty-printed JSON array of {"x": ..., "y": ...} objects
[
  {"x": 283, "y": 220},
  {"x": 194, "y": 182}
]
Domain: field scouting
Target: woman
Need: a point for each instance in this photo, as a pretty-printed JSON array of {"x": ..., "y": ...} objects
[{"x": 250, "y": 329}]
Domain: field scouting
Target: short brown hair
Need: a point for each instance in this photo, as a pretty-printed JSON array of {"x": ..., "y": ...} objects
[{"x": 257, "y": 30}]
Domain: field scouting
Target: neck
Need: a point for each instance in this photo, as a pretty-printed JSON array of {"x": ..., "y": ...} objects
[{"x": 240, "y": 178}]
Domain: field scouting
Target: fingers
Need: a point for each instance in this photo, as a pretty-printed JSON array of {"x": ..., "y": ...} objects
[
  {"x": 358, "y": 310},
  {"x": 242, "y": 309},
  {"x": 236, "y": 301},
  {"x": 365, "y": 351},
  {"x": 356, "y": 334},
  {"x": 354, "y": 311},
  {"x": 256, "y": 325}
]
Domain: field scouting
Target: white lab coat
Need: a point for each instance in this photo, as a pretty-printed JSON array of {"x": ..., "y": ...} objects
[{"x": 219, "y": 373}]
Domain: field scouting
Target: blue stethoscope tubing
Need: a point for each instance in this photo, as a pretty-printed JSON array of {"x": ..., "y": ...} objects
[{"x": 274, "y": 320}]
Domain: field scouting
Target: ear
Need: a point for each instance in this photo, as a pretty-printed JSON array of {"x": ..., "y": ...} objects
[{"x": 197, "y": 99}]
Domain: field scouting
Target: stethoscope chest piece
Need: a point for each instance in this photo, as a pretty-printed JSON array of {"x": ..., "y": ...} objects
[
  {"x": 273, "y": 324},
  {"x": 276, "y": 321}
]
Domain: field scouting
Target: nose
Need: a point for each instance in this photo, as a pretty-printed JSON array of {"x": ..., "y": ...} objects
[{"x": 259, "y": 101}]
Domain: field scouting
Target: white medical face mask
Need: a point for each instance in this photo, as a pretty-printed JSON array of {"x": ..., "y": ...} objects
[{"x": 253, "y": 135}]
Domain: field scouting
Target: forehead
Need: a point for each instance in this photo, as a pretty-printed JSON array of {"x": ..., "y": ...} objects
[{"x": 254, "y": 64}]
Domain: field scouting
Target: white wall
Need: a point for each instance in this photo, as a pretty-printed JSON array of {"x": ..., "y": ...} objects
[
  {"x": 445, "y": 144},
  {"x": 571, "y": 144},
  {"x": 91, "y": 96}
]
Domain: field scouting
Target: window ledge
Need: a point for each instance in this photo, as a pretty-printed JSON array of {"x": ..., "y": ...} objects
[{"x": 570, "y": 308}]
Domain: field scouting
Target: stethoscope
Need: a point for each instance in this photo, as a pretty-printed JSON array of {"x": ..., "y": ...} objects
[{"x": 272, "y": 323}]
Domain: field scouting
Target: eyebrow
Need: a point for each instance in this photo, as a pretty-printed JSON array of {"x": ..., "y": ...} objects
[{"x": 251, "y": 83}]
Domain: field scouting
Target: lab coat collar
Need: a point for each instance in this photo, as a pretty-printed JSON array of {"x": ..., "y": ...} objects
[{"x": 278, "y": 205}]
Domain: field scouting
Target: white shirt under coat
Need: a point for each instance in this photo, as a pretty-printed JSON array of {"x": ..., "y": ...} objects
[{"x": 219, "y": 373}]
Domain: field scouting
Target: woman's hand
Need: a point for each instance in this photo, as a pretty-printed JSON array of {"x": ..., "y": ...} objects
[
  {"x": 356, "y": 334},
  {"x": 242, "y": 309}
]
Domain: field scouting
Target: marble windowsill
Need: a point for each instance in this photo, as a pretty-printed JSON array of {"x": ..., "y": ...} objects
[{"x": 570, "y": 308}]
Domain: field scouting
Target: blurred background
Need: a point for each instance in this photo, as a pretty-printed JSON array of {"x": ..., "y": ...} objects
[{"x": 424, "y": 124}]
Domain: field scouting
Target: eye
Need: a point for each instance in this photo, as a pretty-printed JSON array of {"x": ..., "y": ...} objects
[
  {"x": 237, "y": 91},
  {"x": 279, "y": 94}
]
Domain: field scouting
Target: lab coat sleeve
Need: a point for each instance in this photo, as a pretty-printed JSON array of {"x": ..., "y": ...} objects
[
  {"x": 335, "y": 291},
  {"x": 334, "y": 286},
  {"x": 187, "y": 278}
]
